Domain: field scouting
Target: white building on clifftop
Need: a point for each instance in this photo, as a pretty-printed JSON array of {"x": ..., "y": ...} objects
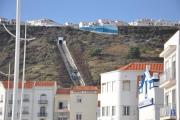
[{"x": 43, "y": 22}]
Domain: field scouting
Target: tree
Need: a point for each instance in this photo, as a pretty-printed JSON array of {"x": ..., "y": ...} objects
[
  {"x": 134, "y": 53},
  {"x": 95, "y": 52}
]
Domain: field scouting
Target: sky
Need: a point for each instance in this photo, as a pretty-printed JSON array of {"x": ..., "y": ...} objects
[{"x": 75, "y": 11}]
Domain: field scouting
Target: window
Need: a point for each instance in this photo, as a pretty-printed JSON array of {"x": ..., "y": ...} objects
[
  {"x": 103, "y": 87},
  {"x": 1, "y": 99},
  {"x": 113, "y": 86},
  {"x": 42, "y": 110},
  {"x": 166, "y": 99},
  {"x": 26, "y": 98},
  {"x": 63, "y": 105},
  {"x": 174, "y": 70},
  {"x": 62, "y": 118},
  {"x": 60, "y": 105},
  {"x": 25, "y": 110},
  {"x": 79, "y": 99},
  {"x": 126, "y": 110},
  {"x": 103, "y": 111},
  {"x": 126, "y": 85},
  {"x": 0, "y": 110},
  {"x": 113, "y": 110},
  {"x": 107, "y": 89},
  {"x": 78, "y": 116},
  {"x": 107, "y": 110},
  {"x": 43, "y": 97},
  {"x": 173, "y": 97}
]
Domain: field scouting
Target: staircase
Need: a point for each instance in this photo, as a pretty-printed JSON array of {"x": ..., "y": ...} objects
[{"x": 71, "y": 67}]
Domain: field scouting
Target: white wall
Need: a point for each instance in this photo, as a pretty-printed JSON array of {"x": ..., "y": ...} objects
[
  {"x": 87, "y": 107},
  {"x": 116, "y": 96}
]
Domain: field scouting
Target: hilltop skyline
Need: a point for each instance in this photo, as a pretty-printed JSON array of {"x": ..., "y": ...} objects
[{"x": 91, "y": 10}]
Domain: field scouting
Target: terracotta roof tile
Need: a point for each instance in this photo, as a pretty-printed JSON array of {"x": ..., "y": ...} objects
[
  {"x": 63, "y": 91},
  {"x": 76, "y": 89},
  {"x": 29, "y": 84},
  {"x": 84, "y": 88},
  {"x": 154, "y": 67}
]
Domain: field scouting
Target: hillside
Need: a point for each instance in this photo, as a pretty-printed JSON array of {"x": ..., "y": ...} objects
[{"x": 93, "y": 53}]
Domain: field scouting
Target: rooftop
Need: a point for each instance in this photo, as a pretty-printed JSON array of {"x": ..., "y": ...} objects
[
  {"x": 63, "y": 91},
  {"x": 29, "y": 84},
  {"x": 76, "y": 89},
  {"x": 154, "y": 67}
]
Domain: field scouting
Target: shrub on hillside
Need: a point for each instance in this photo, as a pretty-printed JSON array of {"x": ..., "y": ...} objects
[
  {"x": 95, "y": 52},
  {"x": 133, "y": 53}
]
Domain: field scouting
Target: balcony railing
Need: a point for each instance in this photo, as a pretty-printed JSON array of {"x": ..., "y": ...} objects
[
  {"x": 168, "y": 75},
  {"x": 10, "y": 101},
  {"x": 25, "y": 100},
  {"x": 168, "y": 111},
  {"x": 9, "y": 114},
  {"x": 64, "y": 114},
  {"x": 25, "y": 112},
  {"x": 43, "y": 101},
  {"x": 42, "y": 114}
]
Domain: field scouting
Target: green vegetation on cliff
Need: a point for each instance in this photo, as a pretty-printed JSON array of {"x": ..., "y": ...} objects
[{"x": 93, "y": 53}]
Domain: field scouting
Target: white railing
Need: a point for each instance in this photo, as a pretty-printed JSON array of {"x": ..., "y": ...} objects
[
  {"x": 169, "y": 74},
  {"x": 168, "y": 111}
]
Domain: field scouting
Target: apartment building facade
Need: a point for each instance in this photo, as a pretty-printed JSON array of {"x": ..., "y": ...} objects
[
  {"x": 170, "y": 80},
  {"x": 76, "y": 103},
  {"x": 38, "y": 100},
  {"x": 119, "y": 96}
]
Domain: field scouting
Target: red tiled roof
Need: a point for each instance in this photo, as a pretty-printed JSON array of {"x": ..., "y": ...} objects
[
  {"x": 29, "y": 84},
  {"x": 154, "y": 67},
  {"x": 63, "y": 91},
  {"x": 84, "y": 88},
  {"x": 76, "y": 89}
]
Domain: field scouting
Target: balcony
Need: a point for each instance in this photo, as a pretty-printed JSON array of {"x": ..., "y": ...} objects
[
  {"x": 25, "y": 112},
  {"x": 25, "y": 100},
  {"x": 9, "y": 114},
  {"x": 10, "y": 101},
  {"x": 168, "y": 78},
  {"x": 64, "y": 114},
  {"x": 168, "y": 112},
  {"x": 42, "y": 114},
  {"x": 43, "y": 101}
]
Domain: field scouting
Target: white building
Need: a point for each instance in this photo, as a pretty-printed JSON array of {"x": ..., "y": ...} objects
[
  {"x": 83, "y": 24},
  {"x": 143, "y": 22},
  {"x": 150, "y": 95},
  {"x": 119, "y": 96},
  {"x": 77, "y": 103},
  {"x": 38, "y": 100},
  {"x": 3, "y": 20},
  {"x": 170, "y": 80},
  {"x": 121, "y": 23},
  {"x": 70, "y": 24},
  {"x": 164, "y": 23},
  {"x": 43, "y": 22}
]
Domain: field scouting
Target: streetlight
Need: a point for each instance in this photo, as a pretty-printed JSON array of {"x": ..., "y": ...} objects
[
  {"x": 9, "y": 76},
  {"x": 16, "y": 65},
  {"x": 24, "y": 62},
  {"x": 23, "y": 76}
]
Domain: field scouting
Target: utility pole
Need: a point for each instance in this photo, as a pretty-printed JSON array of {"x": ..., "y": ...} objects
[{"x": 16, "y": 66}]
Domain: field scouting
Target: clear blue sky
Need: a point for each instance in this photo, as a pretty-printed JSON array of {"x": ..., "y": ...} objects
[{"x": 90, "y": 10}]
